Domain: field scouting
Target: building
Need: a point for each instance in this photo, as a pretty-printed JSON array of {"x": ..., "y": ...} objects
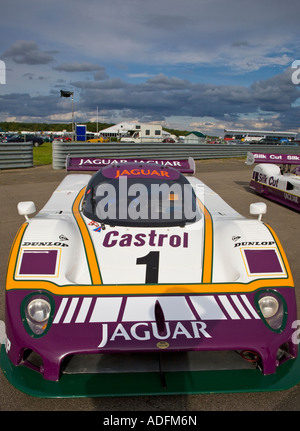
[
  {"x": 117, "y": 130},
  {"x": 257, "y": 135},
  {"x": 126, "y": 129},
  {"x": 195, "y": 138}
]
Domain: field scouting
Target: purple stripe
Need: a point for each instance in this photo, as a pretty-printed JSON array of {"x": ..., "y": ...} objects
[
  {"x": 291, "y": 159},
  {"x": 96, "y": 163}
]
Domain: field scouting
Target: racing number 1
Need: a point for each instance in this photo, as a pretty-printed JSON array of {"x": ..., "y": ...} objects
[{"x": 151, "y": 260}]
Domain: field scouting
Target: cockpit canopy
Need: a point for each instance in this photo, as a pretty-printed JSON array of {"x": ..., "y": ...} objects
[{"x": 140, "y": 194}]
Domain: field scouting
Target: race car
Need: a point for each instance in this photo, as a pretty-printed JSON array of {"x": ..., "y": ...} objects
[
  {"x": 275, "y": 178},
  {"x": 139, "y": 279},
  {"x": 100, "y": 139}
]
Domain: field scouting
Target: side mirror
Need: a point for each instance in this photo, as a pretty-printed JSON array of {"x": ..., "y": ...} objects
[
  {"x": 26, "y": 208},
  {"x": 258, "y": 208}
]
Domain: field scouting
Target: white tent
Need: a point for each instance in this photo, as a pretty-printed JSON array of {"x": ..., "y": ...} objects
[{"x": 121, "y": 129}]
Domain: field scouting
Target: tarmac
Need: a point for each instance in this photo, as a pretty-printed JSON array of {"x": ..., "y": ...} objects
[{"x": 230, "y": 179}]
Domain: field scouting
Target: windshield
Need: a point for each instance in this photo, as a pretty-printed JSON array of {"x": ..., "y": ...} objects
[
  {"x": 140, "y": 195},
  {"x": 296, "y": 171}
]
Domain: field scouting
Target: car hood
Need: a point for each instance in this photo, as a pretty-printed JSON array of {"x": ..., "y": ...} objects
[{"x": 148, "y": 255}]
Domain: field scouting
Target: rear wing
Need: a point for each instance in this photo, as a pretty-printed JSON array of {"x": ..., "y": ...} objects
[
  {"x": 278, "y": 159},
  {"x": 78, "y": 163}
]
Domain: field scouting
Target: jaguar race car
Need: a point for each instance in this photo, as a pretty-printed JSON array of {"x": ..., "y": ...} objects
[
  {"x": 277, "y": 177},
  {"x": 139, "y": 279}
]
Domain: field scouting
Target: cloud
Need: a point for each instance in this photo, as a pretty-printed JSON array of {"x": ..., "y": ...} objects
[
  {"x": 28, "y": 52},
  {"x": 206, "y": 107},
  {"x": 227, "y": 62},
  {"x": 161, "y": 96},
  {"x": 164, "y": 81},
  {"x": 140, "y": 75},
  {"x": 100, "y": 74},
  {"x": 276, "y": 94},
  {"x": 20, "y": 105},
  {"x": 79, "y": 67},
  {"x": 104, "y": 85},
  {"x": 163, "y": 32}
]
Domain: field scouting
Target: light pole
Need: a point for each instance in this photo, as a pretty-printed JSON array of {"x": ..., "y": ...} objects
[
  {"x": 73, "y": 124},
  {"x": 97, "y": 120},
  {"x": 64, "y": 93}
]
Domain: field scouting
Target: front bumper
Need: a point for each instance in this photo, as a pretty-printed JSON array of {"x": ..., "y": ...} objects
[
  {"x": 127, "y": 384},
  {"x": 225, "y": 331}
]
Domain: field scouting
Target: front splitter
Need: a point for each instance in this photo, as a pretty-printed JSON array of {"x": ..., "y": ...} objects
[{"x": 171, "y": 383}]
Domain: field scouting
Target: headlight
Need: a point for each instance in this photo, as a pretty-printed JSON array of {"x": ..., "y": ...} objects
[
  {"x": 269, "y": 306},
  {"x": 273, "y": 308},
  {"x": 37, "y": 314},
  {"x": 39, "y": 310}
]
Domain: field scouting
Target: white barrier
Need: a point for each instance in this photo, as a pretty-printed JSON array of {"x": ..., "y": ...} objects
[
  {"x": 16, "y": 155},
  {"x": 61, "y": 150}
]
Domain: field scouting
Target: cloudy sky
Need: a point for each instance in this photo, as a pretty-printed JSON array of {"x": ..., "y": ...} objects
[{"x": 195, "y": 64}]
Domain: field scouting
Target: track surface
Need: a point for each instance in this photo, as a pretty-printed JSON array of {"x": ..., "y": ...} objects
[{"x": 230, "y": 179}]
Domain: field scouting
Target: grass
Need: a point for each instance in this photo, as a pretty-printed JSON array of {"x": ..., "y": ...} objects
[{"x": 42, "y": 155}]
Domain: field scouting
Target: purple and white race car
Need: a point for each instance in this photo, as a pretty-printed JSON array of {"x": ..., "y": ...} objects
[
  {"x": 277, "y": 177},
  {"x": 140, "y": 279}
]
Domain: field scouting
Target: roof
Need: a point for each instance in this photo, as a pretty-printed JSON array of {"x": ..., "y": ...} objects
[
  {"x": 125, "y": 127},
  {"x": 117, "y": 128},
  {"x": 199, "y": 134}
]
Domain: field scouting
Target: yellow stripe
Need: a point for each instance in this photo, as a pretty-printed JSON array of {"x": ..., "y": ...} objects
[
  {"x": 208, "y": 245},
  {"x": 13, "y": 256},
  {"x": 88, "y": 244},
  {"x": 148, "y": 289}
]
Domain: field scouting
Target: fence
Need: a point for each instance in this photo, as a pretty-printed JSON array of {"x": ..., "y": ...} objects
[
  {"x": 16, "y": 155},
  {"x": 60, "y": 150},
  {"x": 20, "y": 155}
]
